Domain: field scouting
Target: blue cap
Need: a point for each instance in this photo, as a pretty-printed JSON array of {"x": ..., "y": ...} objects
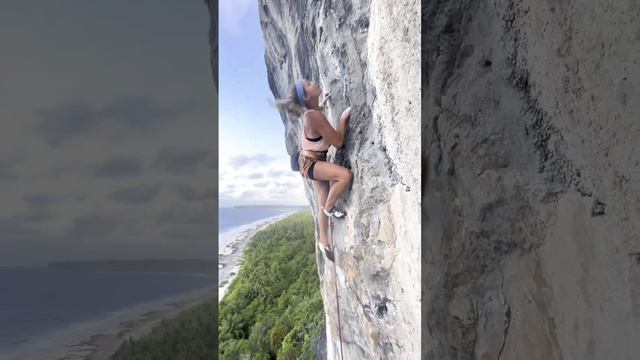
[{"x": 300, "y": 92}]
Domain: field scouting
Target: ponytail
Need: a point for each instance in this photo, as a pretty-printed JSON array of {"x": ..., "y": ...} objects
[{"x": 289, "y": 104}]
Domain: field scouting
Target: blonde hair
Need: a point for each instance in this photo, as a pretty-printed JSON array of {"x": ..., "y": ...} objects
[{"x": 290, "y": 104}]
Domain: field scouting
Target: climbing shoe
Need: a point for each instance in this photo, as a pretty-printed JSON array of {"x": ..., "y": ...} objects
[
  {"x": 327, "y": 251},
  {"x": 335, "y": 213}
]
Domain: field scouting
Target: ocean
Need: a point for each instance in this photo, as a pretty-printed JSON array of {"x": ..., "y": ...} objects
[
  {"x": 233, "y": 220},
  {"x": 233, "y": 217},
  {"x": 37, "y": 303},
  {"x": 236, "y": 226}
]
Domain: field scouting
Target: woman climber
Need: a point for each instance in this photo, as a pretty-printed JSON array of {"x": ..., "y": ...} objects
[{"x": 316, "y": 136}]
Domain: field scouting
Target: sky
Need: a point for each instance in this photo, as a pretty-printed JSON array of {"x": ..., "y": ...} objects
[
  {"x": 108, "y": 127},
  {"x": 254, "y": 164}
]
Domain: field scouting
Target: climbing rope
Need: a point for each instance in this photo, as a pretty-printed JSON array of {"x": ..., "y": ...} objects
[{"x": 335, "y": 282}]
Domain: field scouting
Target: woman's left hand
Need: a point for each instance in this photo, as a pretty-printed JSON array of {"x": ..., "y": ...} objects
[{"x": 346, "y": 114}]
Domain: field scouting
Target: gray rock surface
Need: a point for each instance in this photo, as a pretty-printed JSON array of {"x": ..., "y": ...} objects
[
  {"x": 366, "y": 53},
  {"x": 531, "y": 203},
  {"x": 213, "y": 41}
]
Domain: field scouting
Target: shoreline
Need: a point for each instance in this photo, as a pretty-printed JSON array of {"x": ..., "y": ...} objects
[
  {"x": 98, "y": 339},
  {"x": 230, "y": 255}
]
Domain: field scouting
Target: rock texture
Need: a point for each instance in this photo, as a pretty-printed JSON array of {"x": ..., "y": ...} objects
[
  {"x": 366, "y": 53},
  {"x": 213, "y": 42},
  {"x": 531, "y": 202}
]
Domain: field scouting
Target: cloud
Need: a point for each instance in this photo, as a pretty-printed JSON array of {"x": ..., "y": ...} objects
[
  {"x": 22, "y": 223},
  {"x": 81, "y": 197},
  {"x": 61, "y": 124},
  {"x": 262, "y": 184},
  {"x": 12, "y": 228},
  {"x": 250, "y": 194},
  {"x": 288, "y": 195},
  {"x": 137, "y": 194},
  {"x": 38, "y": 199},
  {"x": 37, "y": 208},
  {"x": 287, "y": 184},
  {"x": 188, "y": 214},
  {"x": 188, "y": 193},
  {"x": 287, "y": 190},
  {"x": 92, "y": 226},
  {"x": 57, "y": 125},
  {"x": 118, "y": 167},
  {"x": 278, "y": 173},
  {"x": 207, "y": 233},
  {"x": 228, "y": 190},
  {"x": 8, "y": 161},
  {"x": 244, "y": 160},
  {"x": 180, "y": 161},
  {"x": 261, "y": 187},
  {"x": 57, "y": 170},
  {"x": 37, "y": 215}
]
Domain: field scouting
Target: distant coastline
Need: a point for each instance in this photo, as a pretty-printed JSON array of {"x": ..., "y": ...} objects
[
  {"x": 231, "y": 253},
  {"x": 99, "y": 338},
  {"x": 171, "y": 266},
  {"x": 268, "y": 206}
]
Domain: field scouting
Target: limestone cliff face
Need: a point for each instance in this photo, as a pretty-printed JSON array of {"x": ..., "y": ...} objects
[
  {"x": 213, "y": 42},
  {"x": 532, "y": 202},
  {"x": 366, "y": 53}
]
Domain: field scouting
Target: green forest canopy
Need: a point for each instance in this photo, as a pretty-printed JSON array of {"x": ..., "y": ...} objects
[{"x": 272, "y": 310}]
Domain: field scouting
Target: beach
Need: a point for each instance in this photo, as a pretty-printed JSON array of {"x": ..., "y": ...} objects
[
  {"x": 98, "y": 339},
  {"x": 232, "y": 245}
]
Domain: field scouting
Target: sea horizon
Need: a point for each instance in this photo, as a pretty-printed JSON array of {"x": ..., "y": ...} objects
[
  {"x": 31, "y": 311},
  {"x": 39, "y": 301}
]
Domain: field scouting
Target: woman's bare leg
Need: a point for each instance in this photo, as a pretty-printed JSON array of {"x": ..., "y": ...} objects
[
  {"x": 322, "y": 191},
  {"x": 341, "y": 177}
]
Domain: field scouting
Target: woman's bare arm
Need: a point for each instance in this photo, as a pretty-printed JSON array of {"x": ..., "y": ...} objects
[{"x": 319, "y": 122}]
